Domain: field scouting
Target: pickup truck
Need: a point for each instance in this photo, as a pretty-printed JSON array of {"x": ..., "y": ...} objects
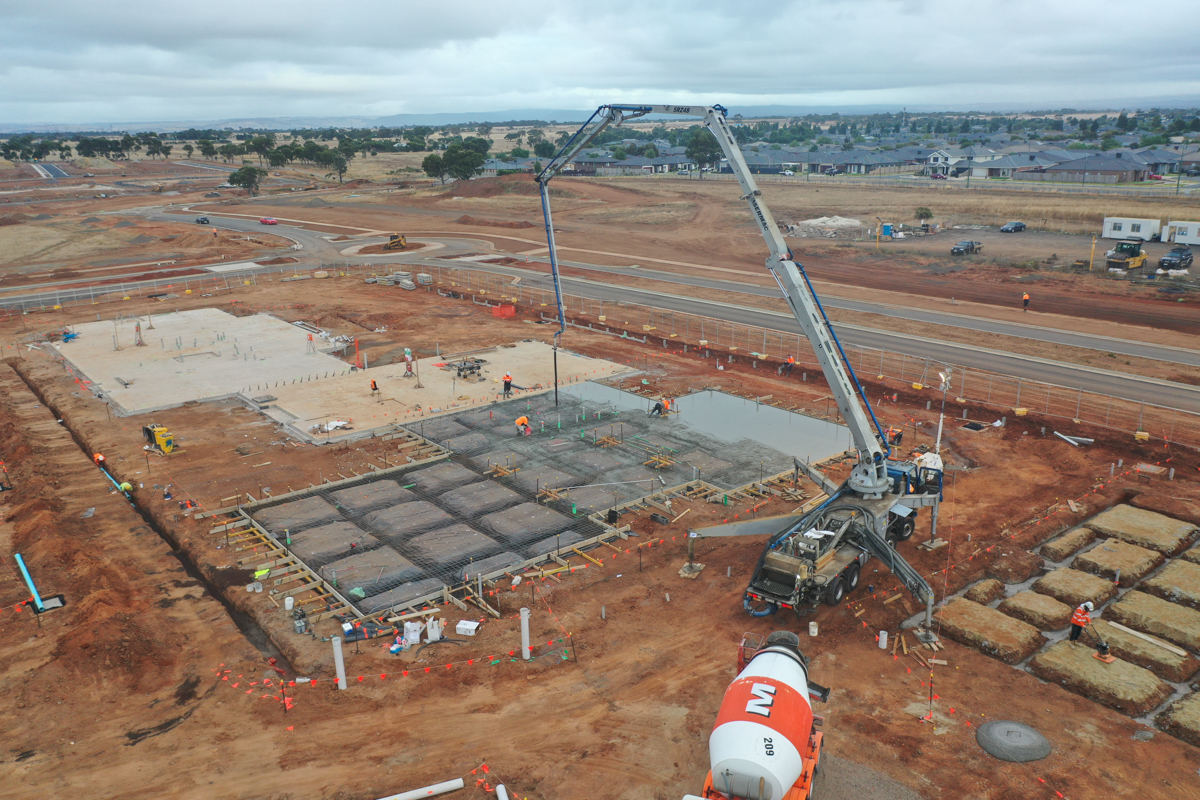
[{"x": 965, "y": 247}]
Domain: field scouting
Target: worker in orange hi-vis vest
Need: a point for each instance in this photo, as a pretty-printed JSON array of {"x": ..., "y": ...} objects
[
  {"x": 99, "y": 459},
  {"x": 1081, "y": 619},
  {"x": 507, "y": 384},
  {"x": 787, "y": 368},
  {"x": 1025, "y": 302},
  {"x": 523, "y": 428},
  {"x": 374, "y": 387}
]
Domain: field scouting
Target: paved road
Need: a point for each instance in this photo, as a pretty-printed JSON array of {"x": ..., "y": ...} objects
[
  {"x": 217, "y": 167},
  {"x": 55, "y": 171}
]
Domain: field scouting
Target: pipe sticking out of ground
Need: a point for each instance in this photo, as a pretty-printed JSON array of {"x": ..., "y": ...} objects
[
  {"x": 339, "y": 663},
  {"x": 427, "y": 791},
  {"x": 525, "y": 633}
]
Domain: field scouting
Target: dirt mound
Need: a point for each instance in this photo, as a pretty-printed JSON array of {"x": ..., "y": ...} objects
[
  {"x": 42, "y": 216},
  {"x": 279, "y": 260},
  {"x": 91, "y": 219},
  {"x": 496, "y": 187},
  {"x": 493, "y": 223},
  {"x": 13, "y": 219},
  {"x": 318, "y": 202},
  {"x": 124, "y": 224},
  {"x": 143, "y": 240}
]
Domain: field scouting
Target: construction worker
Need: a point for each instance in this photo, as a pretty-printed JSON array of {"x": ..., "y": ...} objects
[
  {"x": 507, "y": 384},
  {"x": 787, "y": 368},
  {"x": 1025, "y": 302},
  {"x": 374, "y": 387},
  {"x": 99, "y": 459},
  {"x": 523, "y": 428},
  {"x": 1081, "y": 619},
  {"x": 214, "y": 233},
  {"x": 408, "y": 365}
]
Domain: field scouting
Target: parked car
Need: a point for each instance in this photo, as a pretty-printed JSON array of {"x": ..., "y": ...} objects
[
  {"x": 1012, "y": 227},
  {"x": 269, "y": 221},
  {"x": 1156, "y": 177},
  {"x": 1178, "y": 258},
  {"x": 965, "y": 248},
  {"x": 201, "y": 220},
  {"x": 1194, "y": 172},
  {"x": 788, "y": 172},
  {"x": 937, "y": 176},
  {"x": 833, "y": 171}
]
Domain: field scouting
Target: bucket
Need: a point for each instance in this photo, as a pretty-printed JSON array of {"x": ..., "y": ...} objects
[
  {"x": 288, "y": 602},
  {"x": 883, "y": 640},
  {"x": 258, "y": 586},
  {"x": 812, "y": 628}
]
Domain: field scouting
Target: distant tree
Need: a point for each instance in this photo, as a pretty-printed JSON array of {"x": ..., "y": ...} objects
[
  {"x": 993, "y": 125},
  {"x": 165, "y": 150},
  {"x": 536, "y": 135},
  {"x": 461, "y": 163},
  {"x": 703, "y": 148},
  {"x": 1123, "y": 121},
  {"x": 278, "y": 157},
  {"x": 650, "y": 151},
  {"x": 544, "y": 149},
  {"x": 1177, "y": 125},
  {"x": 1109, "y": 142},
  {"x": 484, "y": 130},
  {"x": 1194, "y": 125},
  {"x": 248, "y": 178},
  {"x": 965, "y": 127},
  {"x": 515, "y": 136},
  {"x": 207, "y": 148},
  {"x": 563, "y": 138},
  {"x": 187, "y": 148},
  {"x": 923, "y": 213},
  {"x": 64, "y": 151},
  {"x": 519, "y": 152},
  {"x": 435, "y": 167},
  {"x": 619, "y": 153},
  {"x": 338, "y": 164},
  {"x": 261, "y": 145},
  {"x": 478, "y": 145}
]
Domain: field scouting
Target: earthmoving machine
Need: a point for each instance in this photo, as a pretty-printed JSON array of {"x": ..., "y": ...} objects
[
  {"x": 396, "y": 241},
  {"x": 160, "y": 439},
  {"x": 817, "y": 555},
  {"x": 1127, "y": 255},
  {"x": 766, "y": 742}
]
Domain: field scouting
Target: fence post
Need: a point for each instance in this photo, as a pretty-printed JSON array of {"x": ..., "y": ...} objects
[{"x": 1078, "y": 403}]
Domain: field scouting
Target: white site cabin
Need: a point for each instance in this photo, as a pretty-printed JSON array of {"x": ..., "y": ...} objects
[
  {"x": 1130, "y": 228},
  {"x": 1183, "y": 232}
]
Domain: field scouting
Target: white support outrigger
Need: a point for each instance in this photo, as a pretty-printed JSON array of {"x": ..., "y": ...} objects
[{"x": 816, "y": 556}]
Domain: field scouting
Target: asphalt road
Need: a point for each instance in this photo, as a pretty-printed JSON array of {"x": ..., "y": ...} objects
[{"x": 55, "y": 172}]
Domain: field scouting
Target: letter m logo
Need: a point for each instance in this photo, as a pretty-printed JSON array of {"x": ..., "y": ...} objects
[{"x": 762, "y": 700}]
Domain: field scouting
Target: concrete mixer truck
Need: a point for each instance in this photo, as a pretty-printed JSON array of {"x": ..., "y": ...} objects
[{"x": 766, "y": 743}]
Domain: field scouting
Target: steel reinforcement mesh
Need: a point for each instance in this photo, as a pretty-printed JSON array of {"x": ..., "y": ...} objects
[{"x": 507, "y": 498}]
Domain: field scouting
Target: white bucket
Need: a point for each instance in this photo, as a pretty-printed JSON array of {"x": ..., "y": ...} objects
[
  {"x": 412, "y": 632},
  {"x": 812, "y": 629},
  {"x": 258, "y": 586},
  {"x": 288, "y": 602},
  {"x": 883, "y": 640}
]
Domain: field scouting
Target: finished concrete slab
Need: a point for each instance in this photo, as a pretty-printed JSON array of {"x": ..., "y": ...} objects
[
  {"x": 1162, "y": 662},
  {"x": 1038, "y": 610},
  {"x": 1119, "y": 685},
  {"x": 1149, "y": 614},
  {"x": 1182, "y": 719},
  {"x": 399, "y": 522},
  {"x": 1072, "y": 587},
  {"x": 1110, "y": 558},
  {"x": 1178, "y": 582},
  {"x": 296, "y": 515},
  {"x": 440, "y": 478},
  {"x": 1144, "y": 528},
  {"x": 319, "y": 546},
  {"x": 477, "y": 499},
  {"x": 1068, "y": 544},
  {"x": 365, "y": 574},
  {"x": 369, "y": 496},
  {"x": 989, "y": 631},
  {"x": 985, "y": 592}
]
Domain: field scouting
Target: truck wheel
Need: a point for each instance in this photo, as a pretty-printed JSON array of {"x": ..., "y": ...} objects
[
  {"x": 905, "y": 528},
  {"x": 852, "y": 578},
  {"x": 890, "y": 538},
  {"x": 836, "y": 592}
]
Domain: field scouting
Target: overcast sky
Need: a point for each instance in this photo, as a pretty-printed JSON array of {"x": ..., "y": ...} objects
[{"x": 76, "y": 61}]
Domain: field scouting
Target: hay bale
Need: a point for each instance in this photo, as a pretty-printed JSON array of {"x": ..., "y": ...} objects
[
  {"x": 365, "y": 497},
  {"x": 365, "y": 574},
  {"x": 1038, "y": 610},
  {"x": 1072, "y": 587},
  {"x": 1068, "y": 544},
  {"x": 1016, "y": 567},
  {"x": 986, "y": 592},
  {"x": 318, "y": 546},
  {"x": 1148, "y": 614},
  {"x": 1182, "y": 719},
  {"x": 1145, "y": 529},
  {"x": 990, "y": 632},
  {"x": 440, "y": 478},
  {"x": 1110, "y": 557},
  {"x": 1119, "y": 685},
  {"x": 297, "y": 515},
  {"x": 450, "y": 546},
  {"x": 1178, "y": 582},
  {"x": 399, "y": 522},
  {"x": 525, "y": 523},
  {"x": 399, "y": 595},
  {"x": 1162, "y": 662},
  {"x": 476, "y": 499}
]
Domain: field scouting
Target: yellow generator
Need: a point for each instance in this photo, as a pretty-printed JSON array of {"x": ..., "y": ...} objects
[
  {"x": 159, "y": 437},
  {"x": 396, "y": 242}
]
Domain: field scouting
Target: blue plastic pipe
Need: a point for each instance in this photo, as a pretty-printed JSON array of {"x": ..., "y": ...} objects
[{"x": 37, "y": 598}]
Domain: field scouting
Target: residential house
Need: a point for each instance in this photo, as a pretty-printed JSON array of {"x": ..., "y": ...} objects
[
  {"x": 1010, "y": 165},
  {"x": 1102, "y": 168}
]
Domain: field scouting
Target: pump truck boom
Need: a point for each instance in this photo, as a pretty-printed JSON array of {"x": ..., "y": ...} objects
[{"x": 818, "y": 555}]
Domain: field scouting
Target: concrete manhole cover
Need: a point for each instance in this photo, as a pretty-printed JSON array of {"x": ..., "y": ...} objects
[{"x": 1012, "y": 741}]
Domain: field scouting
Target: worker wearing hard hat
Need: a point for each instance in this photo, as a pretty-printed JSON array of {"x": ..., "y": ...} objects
[
  {"x": 787, "y": 367},
  {"x": 507, "y": 384},
  {"x": 523, "y": 428},
  {"x": 1081, "y": 619},
  {"x": 99, "y": 459}
]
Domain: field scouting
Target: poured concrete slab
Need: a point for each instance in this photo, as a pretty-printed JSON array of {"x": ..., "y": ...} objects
[
  {"x": 1162, "y": 662},
  {"x": 1119, "y": 685},
  {"x": 1068, "y": 544},
  {"x": 477, "y": 499},
  {"x": 709, "y": 464},
  {"x": 440, "y": 478},
  {"x": 451, "y": 546},
  {"x": 985, "y": 592},
  {"x": 1015, "y": 567},
  {"x": 1039, "y": 610},
  {"x": 559, "y": 541},
  {"x": 297, "y": 515},
  {"x": 1072, "y": 587},
  {"x": 399, "y": 522},
  {"x": 1182, "y": 719},
  {"x": 1149, "y": 614},
  {"x": 404, "y": 593},
  {"x": 524, "y": 523},
  {"x": 990, "y": 632},
  {"x": 1143, "y": 528},
  {"x": 485, "y": 566},
  {"x": 369, "y": 496},
  {"x": 1178, "y": 582},
  {"x": 1111, "y": 557},
  {"x": 534, "y": 480},
  {"x": 319, "y": 546},
  {"x": 365, "y": 574},
  {"x": 468, "y": 443}
]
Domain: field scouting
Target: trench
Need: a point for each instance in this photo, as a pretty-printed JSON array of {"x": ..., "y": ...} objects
[{"x": 246, "y": 624}]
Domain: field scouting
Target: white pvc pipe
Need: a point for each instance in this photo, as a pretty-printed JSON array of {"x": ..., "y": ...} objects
[
  {"x": 427, "y": 791},
  {"x": 501, "y": 792},
  {"x": 338, "y": 663},
  {"x": 525, "y": 651}
]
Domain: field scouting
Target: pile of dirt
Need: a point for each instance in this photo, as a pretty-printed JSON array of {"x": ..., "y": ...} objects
[
  {"x": 989, "y": 631},
  {"x": 278, "y": 260},
  {"x": 1182, "y": 719},
  {"x": 1178, "y": 582},
  {"x": 91, "y": 220},
  {"x": 1072, "y": 587},
  {"x": 124, "y": 224},
  {"x": 1111, "y": 558},
  {"x": 1068, "y": 544},
  {"x": 985, "y": 592},
  {"x": 1164, "y": 663},
  {"x": 1038, "y": 610},
  {"x": 143, "y": 239},
  {"x": 14, "y": 219},
  {"x": 493, "y": 223},
  {"x": 1015, "y": 567},
  {"x": 1145, "y": 529},
  {"x": 523, "y": 184},
  {"x": 1146, "y": 613},
  {"x": 1120, "y": 685}
]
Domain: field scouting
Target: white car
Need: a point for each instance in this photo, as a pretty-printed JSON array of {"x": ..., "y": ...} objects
[{"x": 788, "y": 172}]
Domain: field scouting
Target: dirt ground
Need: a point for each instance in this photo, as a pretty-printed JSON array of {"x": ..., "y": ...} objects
[{"x": 146, "y": 686}]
